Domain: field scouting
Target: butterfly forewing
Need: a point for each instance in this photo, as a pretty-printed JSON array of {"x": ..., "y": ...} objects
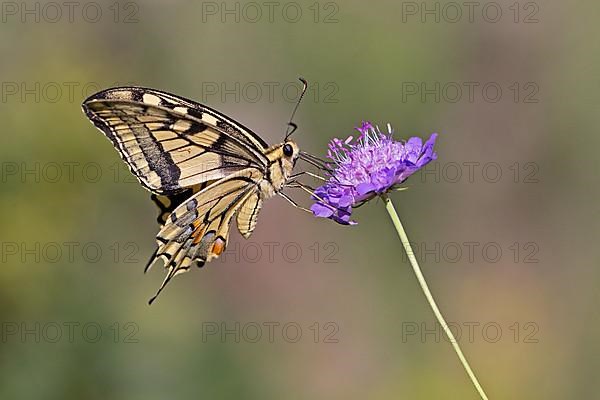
[{"x": 170, "y": 142}]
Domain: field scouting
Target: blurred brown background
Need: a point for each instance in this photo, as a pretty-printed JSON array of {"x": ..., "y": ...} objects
[{"x": 504, "y": 223}]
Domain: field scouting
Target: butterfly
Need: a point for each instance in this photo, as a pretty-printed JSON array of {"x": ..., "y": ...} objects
[{"x": 203, "y": 169}]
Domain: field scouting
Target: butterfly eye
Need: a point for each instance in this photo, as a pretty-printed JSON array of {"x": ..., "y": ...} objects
[{"x": 288, "y": 150}]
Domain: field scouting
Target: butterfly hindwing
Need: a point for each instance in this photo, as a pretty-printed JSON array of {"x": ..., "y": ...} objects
[
  {"x": 171, "y": 143},
  {"x": 168, "y": 203},
  {"x": 198, "y": 229},
  {"x": 248, "y": 215}
]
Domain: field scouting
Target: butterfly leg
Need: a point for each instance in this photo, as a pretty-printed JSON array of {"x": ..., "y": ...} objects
[
  {"x": 299, "y": 185},
  {"x": 309, "y": 174},
  {"x": 308, "y": 189},
  {"x": 295, "y": 184},
  {"x": 293, "y": 202}
]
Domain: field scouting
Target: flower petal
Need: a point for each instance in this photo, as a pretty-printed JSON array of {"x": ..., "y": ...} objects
[
  {"x": 365, "y": 167},
  {"x": 364, "y": 188},
  {"x": 321, "y": 211},
  {"x": 427, "y": 152}
]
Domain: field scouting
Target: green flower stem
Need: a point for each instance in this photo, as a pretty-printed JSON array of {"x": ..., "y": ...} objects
[{"x": 415, "y": 266}]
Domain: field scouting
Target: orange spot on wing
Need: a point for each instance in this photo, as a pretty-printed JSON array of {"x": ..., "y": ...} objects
[
  {"x": 218, "y": 247},
  {"x": 196, "y": 234},
  {"x": 197, "y": 238}
]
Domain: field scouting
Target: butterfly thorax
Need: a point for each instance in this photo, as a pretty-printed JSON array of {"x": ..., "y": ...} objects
[{"x": 280, "y": 167}]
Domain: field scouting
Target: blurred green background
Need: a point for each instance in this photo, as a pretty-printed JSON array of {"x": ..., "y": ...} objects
[{"x": 338, "y": 310}]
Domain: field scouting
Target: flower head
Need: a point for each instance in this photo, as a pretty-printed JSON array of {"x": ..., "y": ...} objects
[{"x": 365, "y": 167}]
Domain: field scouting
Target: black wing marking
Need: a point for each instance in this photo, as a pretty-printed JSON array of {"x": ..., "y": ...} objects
[{"x": 171, "y": 143}]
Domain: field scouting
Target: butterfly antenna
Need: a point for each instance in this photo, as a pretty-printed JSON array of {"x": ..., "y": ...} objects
[{"x": 291, "y": 128}]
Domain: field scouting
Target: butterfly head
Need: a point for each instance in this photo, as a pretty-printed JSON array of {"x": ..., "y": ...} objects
[
  {"x": 282, "y": 159},
  {"x": 290, "y": 150},
  {"x": 289, "y": 153}
]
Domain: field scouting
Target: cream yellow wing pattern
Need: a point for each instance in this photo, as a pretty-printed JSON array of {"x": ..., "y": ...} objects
[
  {"x": 202, "y": 167},
  {"x": 198, "y": 229},
  {"x": 171, "y": 143}
]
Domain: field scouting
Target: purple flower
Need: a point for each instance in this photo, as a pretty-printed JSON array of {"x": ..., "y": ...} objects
[{"x": 365, "y": 167}]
